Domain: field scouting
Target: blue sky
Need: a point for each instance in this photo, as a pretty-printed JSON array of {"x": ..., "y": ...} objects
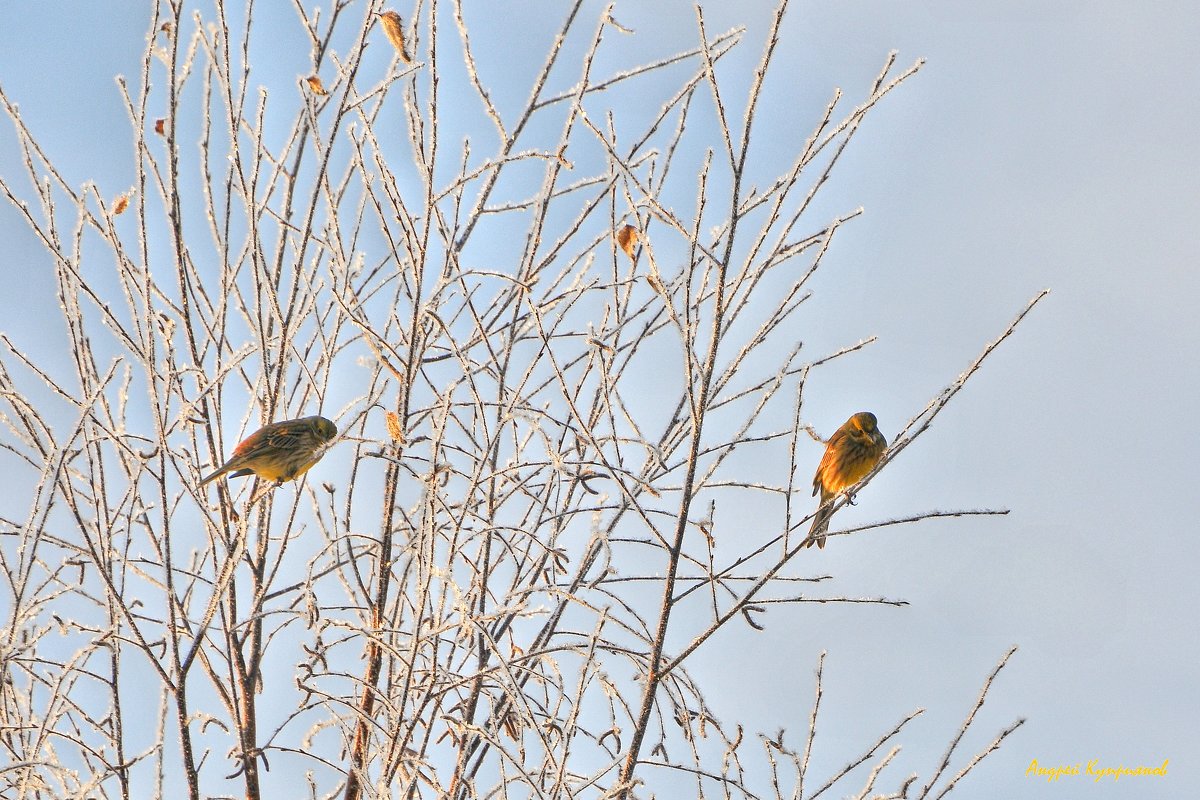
[{"x": 1042, "y": 145}]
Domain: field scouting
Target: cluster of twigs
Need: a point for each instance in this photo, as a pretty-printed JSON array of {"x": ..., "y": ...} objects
[{"x": 541, "y": 370}]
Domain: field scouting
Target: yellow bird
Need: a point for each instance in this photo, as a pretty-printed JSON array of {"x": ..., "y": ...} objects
[
  {"x": 280, "y": 451},
  {"x": 852, "y": 452}
]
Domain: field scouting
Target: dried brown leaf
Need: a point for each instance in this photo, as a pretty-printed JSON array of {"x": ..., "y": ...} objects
[
  {"x": 160, "y": 126},
  {"x": 627, "y": 239},
  {"x": 315, "y": 85},
  {"x": 393, "y": 26},
  {"x": 121, "y": 204},
  {"x": 394, "y": 428},
  {"x": 656, "y": 284}
]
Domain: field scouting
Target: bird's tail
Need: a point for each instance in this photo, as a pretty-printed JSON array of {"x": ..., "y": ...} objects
[
  {"x": 212, "y": 476},
  {"x": 816, "y": 534}
]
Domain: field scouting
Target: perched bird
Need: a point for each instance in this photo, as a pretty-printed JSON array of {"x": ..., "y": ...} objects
[
  {"x": 852, "y": 452},
  {"x": 280, "y": 451}
]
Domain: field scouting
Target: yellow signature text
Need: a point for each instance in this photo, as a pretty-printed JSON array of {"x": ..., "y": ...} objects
[{"x": 1093, "y": 770}]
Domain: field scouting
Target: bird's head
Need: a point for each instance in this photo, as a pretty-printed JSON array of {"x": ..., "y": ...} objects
[
  {"x": 325, "y": 429},
  {"x": 865, "y": 421}
]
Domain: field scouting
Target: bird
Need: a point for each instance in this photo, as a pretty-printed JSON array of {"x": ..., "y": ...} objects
[
  {"x": 852, "y": 452},
  {"x": 280, "y": 451}
]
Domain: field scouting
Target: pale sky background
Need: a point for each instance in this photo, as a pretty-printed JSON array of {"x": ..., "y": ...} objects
[{"x": 1042, "y": 145}]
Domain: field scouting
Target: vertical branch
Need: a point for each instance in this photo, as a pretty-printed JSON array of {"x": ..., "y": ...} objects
[
  {"x": 699, "y": 409},
  {"x": 176, "y": 233}
]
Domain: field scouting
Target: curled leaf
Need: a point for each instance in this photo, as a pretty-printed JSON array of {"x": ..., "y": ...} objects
[
  {"x": 160, "y": 126},
  {"x": 627, "y": 239},
  {"x": 561, "y": 559},
  {"x": 583, "y": 477},
  {"x": 121, "y": 204},
  {"x": 615, "y": 733},
  {"x": 747, "y": 610},
  {"x": 393, "y": 26},
  {"x": 511, "y": 726},
  {"x": 612, "y": 21},
  {"x": 607, "y": 348},
  {"x": 315, "y": 85}
]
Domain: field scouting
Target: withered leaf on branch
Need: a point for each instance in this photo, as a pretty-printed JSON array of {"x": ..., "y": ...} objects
[
  {"x": 747, "y": 610},
  {"x": 612, "y": 21},
  {"x": 314, "y": 84},
  {"x": 393, "y": 26},
  {"x": 160, "y": 126},
  {"x": 121, "y": 204},
  {"x": 627, "y": 239},
  {"x": 657, "y": 285},
  {"x": 394, "y": 428}
]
